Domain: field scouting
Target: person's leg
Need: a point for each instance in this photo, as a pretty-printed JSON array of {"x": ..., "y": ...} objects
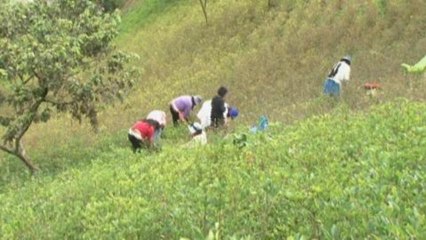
[
  {"x": 136, "y": 143},
  {"x": 221, "y": 122},
  {"x": 328, "y": 87},
  {"x": 331, "y": 88},
  {"x": 336, "y": 89},
  {"x": 157, "y": 135},
  {"x": 175, "y": 115},
  {"x": 146, "y": 144},
  {"x": 213, "y": 122}
]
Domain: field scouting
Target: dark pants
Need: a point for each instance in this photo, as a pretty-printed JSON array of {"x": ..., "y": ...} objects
[
  {"x": 136, "y": 143},
  {"x": 175, "y": 115},
  {"x": 217, "y": 122}
]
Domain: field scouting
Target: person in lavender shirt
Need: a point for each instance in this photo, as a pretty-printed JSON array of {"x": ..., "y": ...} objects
[{"x": 181, "y": 107}]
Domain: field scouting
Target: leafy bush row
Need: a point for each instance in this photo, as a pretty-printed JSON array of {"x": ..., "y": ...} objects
[{"x": 339, "y": 176}]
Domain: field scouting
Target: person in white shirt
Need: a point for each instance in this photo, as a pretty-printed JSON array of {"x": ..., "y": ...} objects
[
  {"x": 204, "y": 115},
  {"x": 339, "y": 73},
  {"x": 160, "y": 117}
]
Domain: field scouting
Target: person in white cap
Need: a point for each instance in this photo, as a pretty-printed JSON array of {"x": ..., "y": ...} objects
[
  {"x": 160, "y": 117},
  {"x": 339, "y": 73},
  {"x": 199, "y": 136}
]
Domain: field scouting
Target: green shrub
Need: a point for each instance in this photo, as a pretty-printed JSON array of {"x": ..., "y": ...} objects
[
  {"x": 336, "y": 176},
  {"x": 111, "y": 5}
]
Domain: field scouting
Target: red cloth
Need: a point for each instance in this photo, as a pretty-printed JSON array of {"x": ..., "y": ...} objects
[
  {"x": 146, "y": 129},
  {"x": 372, "y": 86}
]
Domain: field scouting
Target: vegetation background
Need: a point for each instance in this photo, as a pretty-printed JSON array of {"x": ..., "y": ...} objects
[{"x": 273, "y": 56}]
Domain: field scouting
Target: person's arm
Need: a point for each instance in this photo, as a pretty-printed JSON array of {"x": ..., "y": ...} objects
[
  {"x": 225, "y": 113},
  {"x": 346, "y": 72},
  {"x": 182, "y": 116},
  {"x": 149, "y": 142},
  {"x": 152, "y": 137},
  {"x": 222, "y": 109}
]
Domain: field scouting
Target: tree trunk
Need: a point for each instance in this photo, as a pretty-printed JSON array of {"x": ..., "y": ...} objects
[
  {"x": 31, "y": 167},
  {"x": 19, "y": 152},
  {"x": 204, "y": 7}
]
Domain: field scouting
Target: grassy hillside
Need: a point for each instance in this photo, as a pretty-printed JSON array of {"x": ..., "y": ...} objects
[
  {"x": 274, "y": 60},
  {"x": 325, "y": 170},
  {"x": 336, "y": 176}
]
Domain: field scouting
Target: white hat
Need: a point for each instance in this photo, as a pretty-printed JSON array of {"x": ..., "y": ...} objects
[
  {"x": 198, "y": 99},
  {"x": 195, "y": 127},
  {"x": 347, "y": 57}
]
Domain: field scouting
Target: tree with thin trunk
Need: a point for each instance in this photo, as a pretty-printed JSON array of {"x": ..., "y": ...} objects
[
  {"x": 56, "y": 57},
  {"x": 204, "y": 7}
]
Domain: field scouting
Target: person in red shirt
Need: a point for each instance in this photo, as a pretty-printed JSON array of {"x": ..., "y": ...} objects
[{"x": 142, "y": 134}]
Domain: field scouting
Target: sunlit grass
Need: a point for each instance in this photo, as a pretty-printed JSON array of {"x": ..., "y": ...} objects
[
  {"x": 273, "y": 61},
  {"x": 340, "y": 175}
]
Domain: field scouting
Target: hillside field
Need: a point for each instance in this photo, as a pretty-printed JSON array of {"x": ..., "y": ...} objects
[
  {"x": 352, "y": 168},
  {"x": 330, "y": 177}
]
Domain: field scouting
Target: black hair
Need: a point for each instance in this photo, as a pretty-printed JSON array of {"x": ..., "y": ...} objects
[
  {"x": 193, "y": 102},
  {"x": 229, "y": 112},
  {"x": 222, "y": 91},
  {"x": 346, "y": 61},
  {"x": 153, "y": 123}
]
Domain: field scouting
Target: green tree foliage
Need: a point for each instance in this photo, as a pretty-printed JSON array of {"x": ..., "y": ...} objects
[
  {"x": 110, "y": 5},
  {"x": 56, "y": 56}
]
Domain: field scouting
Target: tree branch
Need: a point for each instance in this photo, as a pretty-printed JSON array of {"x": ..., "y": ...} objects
[
  {"x": 58, "y": 103},
  {"x": 37, "y": 75},
  {"x": 33, "y": 111},
  {"x": 204, "y": 7},
  {"x": 28, "y": 79},
  {"x": 25, "y": 81},
  {"x": 21, "y": 77},
  {"x": 6, "y": 149}
]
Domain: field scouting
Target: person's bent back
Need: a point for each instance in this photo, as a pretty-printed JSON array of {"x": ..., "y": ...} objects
[
  {"x": 142, "y": 134},
  {"x": 181, "y": 107}
]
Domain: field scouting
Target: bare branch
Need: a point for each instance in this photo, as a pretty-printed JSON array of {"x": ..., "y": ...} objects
[
  {"x": 58, "y": 103},
  {"x": 37, "y": 75},
  {"x": 28, "y": 79},
  {"x": 204, "y": 7},
  {"x": 21, "y": 77},
  {"x": 25, "y": 81},
  {"x": 6, "y": 149}
]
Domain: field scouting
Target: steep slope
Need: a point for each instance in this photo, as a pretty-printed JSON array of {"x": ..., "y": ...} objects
[
  {"x": 336, "y": 176},
  {"x": 273, "y": 60}
]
